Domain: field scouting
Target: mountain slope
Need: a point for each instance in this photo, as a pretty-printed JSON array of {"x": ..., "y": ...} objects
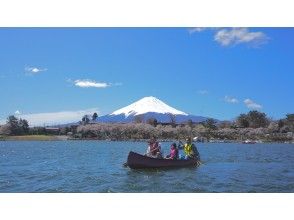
[
  {"x": 146, "y": 108},
  {"x": 148, "y": 104}
]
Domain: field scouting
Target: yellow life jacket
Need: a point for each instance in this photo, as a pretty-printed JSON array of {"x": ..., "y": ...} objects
[{"x": 188, "y": 149}]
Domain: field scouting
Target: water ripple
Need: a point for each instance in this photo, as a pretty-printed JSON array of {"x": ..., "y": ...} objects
[{"x": 96, "y": 166}]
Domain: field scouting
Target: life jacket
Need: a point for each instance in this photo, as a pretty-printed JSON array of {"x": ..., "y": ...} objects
[
  {"x": 173, "y": 153},
  {"x": 153, "y": 147},
  {"x": 176, "y": 154},
  {"x": 188, "y": 149},
  {"x": 191, "y": 151}
]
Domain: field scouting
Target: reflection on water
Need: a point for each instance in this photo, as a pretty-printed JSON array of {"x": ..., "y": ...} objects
[{"x": 97, "y": 166}]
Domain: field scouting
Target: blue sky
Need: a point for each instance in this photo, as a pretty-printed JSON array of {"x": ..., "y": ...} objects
[{"x": 58, "y": 74}]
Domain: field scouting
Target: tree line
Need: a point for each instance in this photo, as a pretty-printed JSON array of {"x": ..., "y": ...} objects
[
  {"x": 15, "y": 126},
  {"x": 252, "y": 125}
]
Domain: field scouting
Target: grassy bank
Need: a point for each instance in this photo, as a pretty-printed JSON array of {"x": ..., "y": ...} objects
[{"x": 33, "y": 138}]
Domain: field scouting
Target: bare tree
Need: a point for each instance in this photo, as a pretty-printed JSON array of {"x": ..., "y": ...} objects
[
  {"x": 190, "y": 123},
  {"x": 172, "y": 118}
]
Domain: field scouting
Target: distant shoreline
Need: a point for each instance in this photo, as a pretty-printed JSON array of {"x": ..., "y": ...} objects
[
  {"x": 253, "y": 127},
  {"x": 34, "y": 138},
  {"x": 66, "y": 138}
]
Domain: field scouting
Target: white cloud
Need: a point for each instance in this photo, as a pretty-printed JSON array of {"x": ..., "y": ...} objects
[
  {"x": 251, "y": 104},
  {"x": 17, "y": 112},
  {"x": 34, "y": 70},
  {"x": 86, "y": 83},
  {"x": 55, "y": 118},
  {"x": 234, "y": 36},
  {"x": 231, "y": 99},
  {"x": 202, "y": 92},
  {"x": 196, "y": 29}
]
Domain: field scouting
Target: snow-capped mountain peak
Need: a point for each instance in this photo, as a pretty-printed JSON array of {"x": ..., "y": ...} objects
[{"x": 145, "y": 105}]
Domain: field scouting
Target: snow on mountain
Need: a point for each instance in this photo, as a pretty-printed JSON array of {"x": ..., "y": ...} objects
[
  {"x": 149, "y": 107},
  {"x": 148, "y": 104}
]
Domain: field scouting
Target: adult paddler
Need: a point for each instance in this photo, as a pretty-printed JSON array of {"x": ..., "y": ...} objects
[
  {"x": 190, "y": 150},
  {"x": 153, "y": 149}
]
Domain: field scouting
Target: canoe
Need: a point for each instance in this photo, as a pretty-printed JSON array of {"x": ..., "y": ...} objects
[{"x": 138, "y": 161}]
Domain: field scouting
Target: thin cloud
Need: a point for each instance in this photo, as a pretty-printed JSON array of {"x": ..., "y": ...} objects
[
  {"x": 234, "y": 36},
  {"x": 202, "y": 92},
  {"x": 232, "y": 100},
  {"x": 34, "y": 70},
  {"x": 251, "y": 104},
  {"x": 55, "y": 118},
  {"x": 196, "y": 29},
  {"x": 193, "y": 30},
  {"x": 87, "y": 83},
  {"x": 90, "y": 83}
]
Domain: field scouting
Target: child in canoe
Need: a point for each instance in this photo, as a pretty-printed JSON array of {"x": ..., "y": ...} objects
[{"x": 174, "y": 152}]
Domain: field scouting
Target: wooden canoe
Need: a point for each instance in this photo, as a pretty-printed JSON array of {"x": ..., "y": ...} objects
[{"x": 138, "y": 161}]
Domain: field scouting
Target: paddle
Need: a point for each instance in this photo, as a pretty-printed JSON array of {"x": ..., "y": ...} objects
[
  {"x": 180, "y": 146},
  {"x": 153, "y": 150}
]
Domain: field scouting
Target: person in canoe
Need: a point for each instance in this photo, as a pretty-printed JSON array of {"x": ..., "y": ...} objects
[
  {"x": 190, "y": 149},
  {"x": 174, "y": 152},
  {"x": 153, "y": 149}
]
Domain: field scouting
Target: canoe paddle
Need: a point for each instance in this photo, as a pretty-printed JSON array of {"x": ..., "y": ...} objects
[{"x": 153, "y": 150}]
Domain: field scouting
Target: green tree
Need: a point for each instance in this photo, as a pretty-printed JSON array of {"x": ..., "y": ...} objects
[
  {"x": 17, "y": 126},
  {"x": 290, "y": 121},
  {"x": 257, "y": 119},
  {"x": 210, "y": 124},
  {"x": 85, "y": 119},
  {"x": 23, "y": 126},
  {"x": 12, "y": 122},
  {"x": 94, "y": 116},
  {"x": 290, "y": 118},
  {"x": 242, "y": 121}
]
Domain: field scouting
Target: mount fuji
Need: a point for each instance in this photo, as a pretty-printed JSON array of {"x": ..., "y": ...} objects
[{"x": 146, "y": 108}]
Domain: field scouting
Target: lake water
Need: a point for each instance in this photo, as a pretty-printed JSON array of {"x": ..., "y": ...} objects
[{"x": 96, "y": 166}]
